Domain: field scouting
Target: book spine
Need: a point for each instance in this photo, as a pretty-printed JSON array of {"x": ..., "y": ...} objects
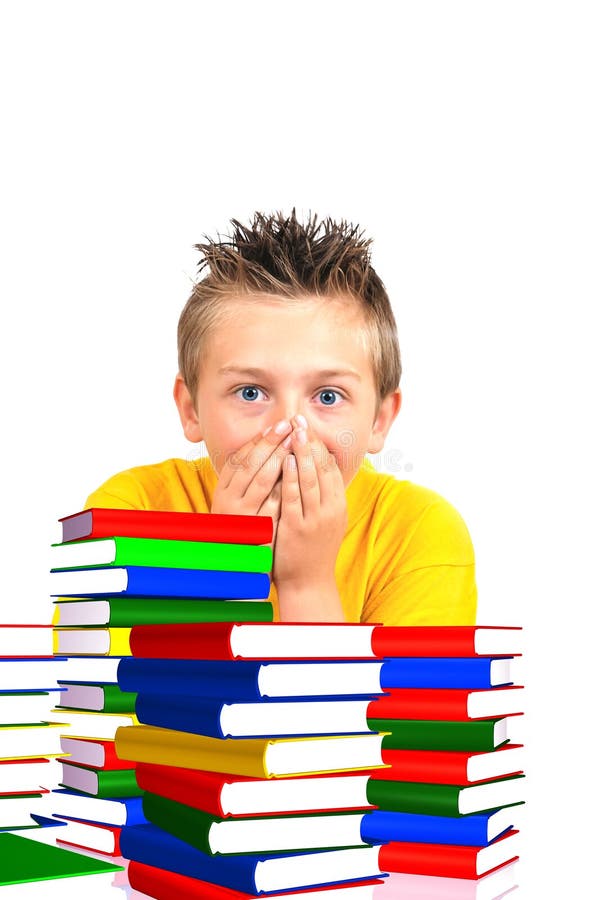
[
  {"x": 444, "y": 860},
  {"x": 178, "y": 642},
  {"x": 118, "y": 701},
  {"x": 420, "y": 704},
  {"x": 428, "y": 766},
  {"x": 192, "y": 555},
  {"x": 381, "y": 826},
  {"x": 152, "y": 611},
  {"x": 200, "y": 717},
  {"x": 409, "y": 734},
  {"x": 118, "y": 783},
  {"x": 424, "y": 641},
  {"x": 409, "y": 797},
  {"x": 216, "y": 679},
  {"x": 439, "y": 672},
  {"x": 147, "y": 581},
  {"x": 183, "y": 785},
  {"x": 176, "y": 526},
  {"x": 184, "y": 822}
]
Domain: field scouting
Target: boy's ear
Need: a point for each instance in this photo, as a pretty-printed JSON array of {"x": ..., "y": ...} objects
[
  {"x": 186, "y": 408},
  {"x": 387, "y": 413}
]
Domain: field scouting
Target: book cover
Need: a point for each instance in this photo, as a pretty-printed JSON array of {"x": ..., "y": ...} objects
[
  {"x": 261, "y": 758},
  {"x": 274, "y": 718},
  {"x": 244, "y": 680},
  {"x": 249, "y": 873},
  {"x": 448, "y": 860},
  {"x": 25, "y": 860},
  {"x": 122, "y": 612},
  {"x": 163, "y": 553},
  {"x": 145, "y": 581},
  {"x": 237, "y": 795},
  {"x": 232, "y": 529},
  {"x": 95, "y": 836},
  {"x": 445, "y": 799}
]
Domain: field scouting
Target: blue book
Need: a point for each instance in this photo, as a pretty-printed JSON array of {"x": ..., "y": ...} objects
[
  {"x": 472, "y": 830},
  {"x": 69, "y": 804},
  {"x": 248, "y": 872},
  {"x": 262, "y": 718},
  {"x": 248, "y": 680},
  {"x": 443, "y": 672},
  {"x": 149, "y": 581}
]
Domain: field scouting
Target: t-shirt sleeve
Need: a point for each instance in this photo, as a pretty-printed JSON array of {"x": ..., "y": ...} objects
[
  {"x": 425, "y": 575},
  {"x": 122, "y": 491}
]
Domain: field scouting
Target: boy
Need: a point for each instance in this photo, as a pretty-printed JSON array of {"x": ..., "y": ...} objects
[{"x": 289, "y": 371}]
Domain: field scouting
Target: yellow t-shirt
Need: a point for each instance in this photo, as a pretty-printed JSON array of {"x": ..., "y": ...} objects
[{"x": 406, "y": 558}]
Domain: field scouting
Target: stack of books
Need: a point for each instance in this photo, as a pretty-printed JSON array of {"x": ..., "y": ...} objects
[
  {"x": 28, "y": 685},
  {"x": 112, "y": 570},
  {"x": 451, "y": 802},
  {"x": 255, "y": 753}
]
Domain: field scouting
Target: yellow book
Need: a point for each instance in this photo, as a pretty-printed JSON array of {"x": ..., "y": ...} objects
[
  {"x": 256, "y": 757},
  {"x": 92, "y": 641}
]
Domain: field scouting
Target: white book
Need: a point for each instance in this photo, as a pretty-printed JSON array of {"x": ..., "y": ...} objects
[
  {"x": 20, "y": 776},
  {"x": 91, "y": 724},
  {"x": 29, "y": 740},
  {"x": 22, "y": 708}
]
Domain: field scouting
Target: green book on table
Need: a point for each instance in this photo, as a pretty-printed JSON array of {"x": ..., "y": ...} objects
[
  {"x": 427, "y": 734},
  {"x": 122, "y": 612},
  {"x": 26, "y": 860},
  {"x": 132, "y": 551}
]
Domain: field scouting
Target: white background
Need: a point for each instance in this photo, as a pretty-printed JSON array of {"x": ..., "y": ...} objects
[{"x": 462, "y": 137}]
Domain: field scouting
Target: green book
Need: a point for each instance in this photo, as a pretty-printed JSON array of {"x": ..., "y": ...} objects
[
  {"x": 132, "y": 551},
  {"x": 264, "y": 834},
  {"x": 99, "y": 782},
  {"x": 96, "y": 697},
  {"x": 425, "y": 734},
  {"x": 445, "y": 799},
  {"x": 24, "y": 860},
  {"x": 123, "y": 612}
]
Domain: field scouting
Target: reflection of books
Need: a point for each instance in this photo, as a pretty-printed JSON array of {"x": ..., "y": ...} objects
[
  {"x": 24, "y": 860},
  {"x": 494, "y": 886},
  {"x": 248, "y": 872},
  {"x": 259, "y": 757},
  {"x": 165, "y": 885},
  {"x": 448, "y": 860},
  {"x": 122, "y": 612}
]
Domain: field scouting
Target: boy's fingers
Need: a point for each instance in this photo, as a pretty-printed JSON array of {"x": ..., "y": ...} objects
[
  {"x": 307, "y": 474},
  {"x": 243, "y": 465}
]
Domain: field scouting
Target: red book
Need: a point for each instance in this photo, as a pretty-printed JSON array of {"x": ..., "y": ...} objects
[
  {"x": 321, "y": 640},
  {"x": 165, "y": 885},
  {"x": 92, "y": 752},
  {"x": 448, "y": 860},
  {"x": 146, "y": 523},
  {"x": 235, "y": 795},
  {"x": 446, "y": 704},
  {"x": 450, "y": 767},
  {"x": 93, "y": 836}
]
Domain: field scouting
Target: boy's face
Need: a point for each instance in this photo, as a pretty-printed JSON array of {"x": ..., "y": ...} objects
[{"x": 268, "y": 360}]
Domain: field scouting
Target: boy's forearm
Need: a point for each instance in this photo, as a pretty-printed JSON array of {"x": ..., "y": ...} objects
[{"x": 317, "y": 602}]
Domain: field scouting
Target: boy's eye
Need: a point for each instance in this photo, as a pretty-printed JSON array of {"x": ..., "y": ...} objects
[
  {"x": 249, "y": 392},
  {"x": 328, "y": 397}
]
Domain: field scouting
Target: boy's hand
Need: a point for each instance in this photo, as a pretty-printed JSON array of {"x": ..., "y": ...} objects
[
  {"x": 313, "y": 520},
  {"x": 250, "y": 482}
]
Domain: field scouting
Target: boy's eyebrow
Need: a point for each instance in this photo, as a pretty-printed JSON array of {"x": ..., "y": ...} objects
[{"x": 260, "y": 373}]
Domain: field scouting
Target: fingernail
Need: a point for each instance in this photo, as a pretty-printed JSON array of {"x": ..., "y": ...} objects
[
  {"x": 301, "y": 421},
  {"x": 282, "y": 426},
  {"x": 287, "y": 442},
  {"x": 267, "y": 431},
  {"x": 301, "y": 436}
]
